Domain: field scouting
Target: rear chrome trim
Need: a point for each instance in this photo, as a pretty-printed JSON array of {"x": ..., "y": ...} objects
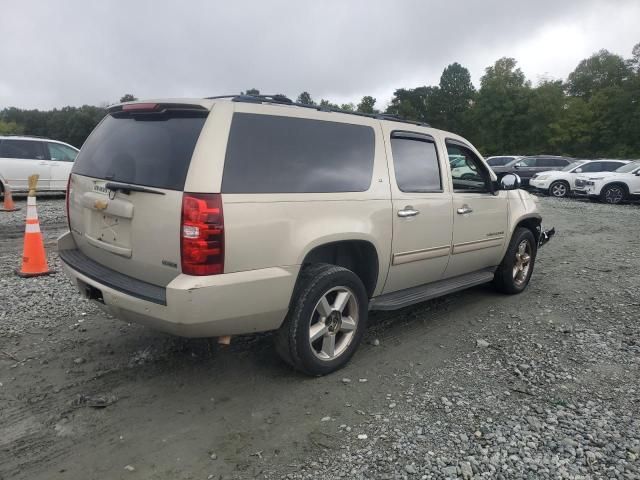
[
  {"x": 423, "y": 254},
  {"x": 478, "y": 244},
  {"x": 79, "y": 262}
]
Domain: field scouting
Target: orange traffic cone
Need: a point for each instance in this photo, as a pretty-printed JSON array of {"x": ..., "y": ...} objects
[
  {"x": 34, "y": 258},
  {"x": 9, "y": 205}
]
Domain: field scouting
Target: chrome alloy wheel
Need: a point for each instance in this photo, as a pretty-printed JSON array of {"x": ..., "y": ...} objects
[
  {"x": 613, "y": 195},
  {"x": 559, "y": 190},
  {"x": 522, "y": 263},
  {"x": 333, "y": 323}
]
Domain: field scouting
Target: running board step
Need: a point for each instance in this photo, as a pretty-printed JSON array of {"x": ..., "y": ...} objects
[{"x": 409, "y": 296}]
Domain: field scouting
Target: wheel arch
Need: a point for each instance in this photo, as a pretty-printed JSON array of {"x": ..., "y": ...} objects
[
  {"x": 531, "y": 222},
  {"x": 624, "y": 186},
  {"x": 358, "y": 255}
]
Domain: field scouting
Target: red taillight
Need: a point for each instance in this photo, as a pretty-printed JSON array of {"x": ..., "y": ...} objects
[
  {"x": 138, "y": 107},
  {"x": 66, "y": 201},
  {"x": 202, "y": 234}
]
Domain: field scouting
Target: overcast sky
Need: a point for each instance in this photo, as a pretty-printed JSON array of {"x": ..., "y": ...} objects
[{"x": 73, "y": 52}]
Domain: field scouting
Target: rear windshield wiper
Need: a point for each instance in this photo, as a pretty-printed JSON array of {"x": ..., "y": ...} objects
[{"x": 127, "y": 188}]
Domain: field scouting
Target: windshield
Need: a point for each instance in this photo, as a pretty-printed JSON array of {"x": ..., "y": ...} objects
[
  {"x": 629, "y": 167},
  {"x": 572, "y": 165}
]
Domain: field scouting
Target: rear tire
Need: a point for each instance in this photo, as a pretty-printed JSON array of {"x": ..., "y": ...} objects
[
  {"x": 331, "y": 304},
  {"x": 514, "y": 273},
  {"x": 559, "y": 189},
  {"x": 613, "y": 194}
]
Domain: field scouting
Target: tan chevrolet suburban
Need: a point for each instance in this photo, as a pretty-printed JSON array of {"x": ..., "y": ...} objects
[{"x": 232, "y": 215}]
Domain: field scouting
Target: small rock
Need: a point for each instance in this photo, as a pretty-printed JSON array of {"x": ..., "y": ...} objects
[
  {"x": 346, "y": 380},
  {"x": 213, "y": 456},
  {"x": 325, "y": 419},
  {"x": 409, "y": 468},
  {"x": 467, "y": 472},
  {"x": 363, "y": 380},
  {"x": 375, "y": 342},
  {"x": 362, "y": 436},
  {"x": 482, "y": 343},
  {"x": 80, "y": 361},
  {"x": 129, "y": 468}
]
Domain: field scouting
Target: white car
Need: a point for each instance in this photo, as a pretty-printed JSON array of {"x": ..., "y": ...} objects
[
  {"x": 23, "y": 156},
  {"x": 611, "y": 187},
  {"x": 561, "y": 183}
]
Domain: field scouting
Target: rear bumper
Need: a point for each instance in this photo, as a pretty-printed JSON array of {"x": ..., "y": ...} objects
[{"x": 227, "y": 304}]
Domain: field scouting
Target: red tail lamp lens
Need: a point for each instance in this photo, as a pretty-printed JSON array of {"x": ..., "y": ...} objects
[{"x": 202, "y": 234}]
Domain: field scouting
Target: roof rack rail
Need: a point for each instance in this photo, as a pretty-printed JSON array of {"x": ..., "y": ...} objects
[{"x": 284, "y": 100}]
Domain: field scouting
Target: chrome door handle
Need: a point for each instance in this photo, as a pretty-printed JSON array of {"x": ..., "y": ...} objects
[
  {"x": 465, "y": 209},
  {"x": 44, "y": 163},
  {"x": 408, "y": 211}
]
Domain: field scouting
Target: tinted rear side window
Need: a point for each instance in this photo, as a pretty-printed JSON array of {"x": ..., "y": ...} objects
[
  {"x": 415, "y": 163},
  {"x": 22, "y": 149},
  {"x": 273, "y": 154},
  {"x": 152, "y": 151}
]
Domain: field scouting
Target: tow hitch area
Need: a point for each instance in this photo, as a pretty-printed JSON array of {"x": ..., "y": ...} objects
[{"x": 545, "y": 236}]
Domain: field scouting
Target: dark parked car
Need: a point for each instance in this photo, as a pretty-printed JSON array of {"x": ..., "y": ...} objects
[{"x": 527, "y": 167}]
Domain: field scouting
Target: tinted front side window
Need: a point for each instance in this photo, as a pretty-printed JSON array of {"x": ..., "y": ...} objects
[
  {"x": 273, "y": 154},
  {"x": 592, "y": 167},
  {"x": 499, "y": 161},
  {"x": 415, "y": 163},
  {"x": 22, "y": 149},
  {"x": 472, "y": 175},
  {"x": 151, "y": 151},
  {"x": 61, "y": 152}
]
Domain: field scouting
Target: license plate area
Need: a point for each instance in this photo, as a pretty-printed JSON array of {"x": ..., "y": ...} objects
[{"x": 110, "y": 229}]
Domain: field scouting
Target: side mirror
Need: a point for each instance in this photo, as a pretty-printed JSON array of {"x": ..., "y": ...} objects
[
  {"x": 578, "y": 170},
  {"x": 510, "y": 181},
  {"x": 517, "y": 165}
]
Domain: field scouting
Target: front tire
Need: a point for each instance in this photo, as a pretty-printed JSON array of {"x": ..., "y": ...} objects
[
  {"x": 613, "y": 194},
  {"x": 514, "y": 273},
  {"x": 326, "y": 321},
  {"x": 559, "y": 189}
]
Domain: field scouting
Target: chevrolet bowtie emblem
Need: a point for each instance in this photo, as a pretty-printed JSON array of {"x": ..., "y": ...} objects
[{"x": 100, "y": 204}]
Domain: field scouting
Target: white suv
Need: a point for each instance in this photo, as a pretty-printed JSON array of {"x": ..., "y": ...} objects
[
  {"x": 562, "y": 183},
  {"x": 226, "y": 216},
  {"x": 611, "y": 187},
  {"x": 23, "y": 156}
]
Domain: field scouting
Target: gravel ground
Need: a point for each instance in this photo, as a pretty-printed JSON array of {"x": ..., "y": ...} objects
[{"x": 545, "y": 384}]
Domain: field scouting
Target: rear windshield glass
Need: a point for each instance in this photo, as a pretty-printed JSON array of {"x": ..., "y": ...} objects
[
  {"x": 154, "y": 152},
  {"x": 499, "y": 161},
  {"x": 272, "y": 154}
]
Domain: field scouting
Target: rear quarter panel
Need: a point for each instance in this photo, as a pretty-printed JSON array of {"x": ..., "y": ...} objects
[{"x": 279, "y": 229}]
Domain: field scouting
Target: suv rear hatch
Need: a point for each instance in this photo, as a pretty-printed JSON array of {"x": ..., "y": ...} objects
[{"x": 126, "y": 188}]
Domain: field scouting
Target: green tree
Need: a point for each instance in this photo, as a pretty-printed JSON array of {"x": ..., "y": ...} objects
[
  {"x": 602, "y": 69},
  {"x": 367, "y": 105},
  {"x": 634, "y": 61},
  {"x": 127, "y": 97},
  {"x": 454, "y": 98},
  {"x": 9, "y": 128},
  {"x": 414, "y": 104},
  {"x": 305, "y": 99},
  {"x": 500, "y": 113},
  {"x": 251, "y": 91},
  {"x": 348, "y": 107},
  {"x": 328, "y": 104}
]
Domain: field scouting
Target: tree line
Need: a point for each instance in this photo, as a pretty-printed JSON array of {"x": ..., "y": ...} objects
[{"x": 594, "y": 113}]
